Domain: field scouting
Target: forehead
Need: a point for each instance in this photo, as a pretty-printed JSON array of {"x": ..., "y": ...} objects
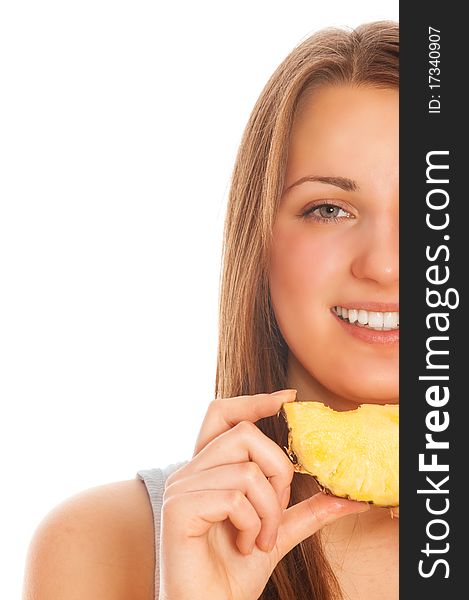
[{"x": 344, "y": 127}]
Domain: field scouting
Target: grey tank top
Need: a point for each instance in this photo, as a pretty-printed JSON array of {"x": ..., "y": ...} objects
[{"x": 154, "y": 480}]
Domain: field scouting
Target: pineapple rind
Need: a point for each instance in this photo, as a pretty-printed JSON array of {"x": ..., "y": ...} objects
[{"x": 351, "y": 454}]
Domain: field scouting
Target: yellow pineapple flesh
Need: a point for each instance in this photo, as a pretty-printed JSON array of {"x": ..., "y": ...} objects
[{"x": 352, "y": 454}]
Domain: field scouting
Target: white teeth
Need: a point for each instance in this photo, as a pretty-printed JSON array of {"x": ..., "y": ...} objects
[
  {"x": 391, "y": 319},
  {"x": 375, "y": 319},
  {"x": 380, "y": 321},
  {"x": 363, "y": 317}
]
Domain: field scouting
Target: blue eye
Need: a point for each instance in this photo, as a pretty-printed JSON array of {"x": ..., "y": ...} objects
[{"x": 326, "y": 213}]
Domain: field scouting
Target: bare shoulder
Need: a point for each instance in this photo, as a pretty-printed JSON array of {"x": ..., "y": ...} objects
[{"x": 96, "y": 544}]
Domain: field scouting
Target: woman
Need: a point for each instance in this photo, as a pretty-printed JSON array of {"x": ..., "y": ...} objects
[{"x": 312, "y": 225}]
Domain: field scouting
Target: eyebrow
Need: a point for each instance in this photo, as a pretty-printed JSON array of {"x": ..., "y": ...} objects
[{"x": 348, "y": 185}]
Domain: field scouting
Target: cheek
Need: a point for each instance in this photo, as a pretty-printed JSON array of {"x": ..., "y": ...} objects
[{"x": 306, "y": 267}]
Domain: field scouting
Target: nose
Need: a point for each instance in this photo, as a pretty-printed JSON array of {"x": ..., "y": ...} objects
[{"x": 377, "y": 254}]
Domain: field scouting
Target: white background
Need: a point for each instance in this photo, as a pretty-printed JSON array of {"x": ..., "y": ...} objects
[{"x": 119, "y": 124}]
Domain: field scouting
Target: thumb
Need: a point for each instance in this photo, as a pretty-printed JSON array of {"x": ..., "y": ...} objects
[{"x": 305, "y": 518}]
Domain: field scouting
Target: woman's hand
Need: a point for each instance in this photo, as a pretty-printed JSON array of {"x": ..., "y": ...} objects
[{"x": 224, "y": 523}]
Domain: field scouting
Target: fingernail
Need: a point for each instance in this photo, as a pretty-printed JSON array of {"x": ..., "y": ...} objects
[
  {"x": 353, "y": 505},
  {"x": 362, "y": 506},
  {"x": 290, "y": 394}
]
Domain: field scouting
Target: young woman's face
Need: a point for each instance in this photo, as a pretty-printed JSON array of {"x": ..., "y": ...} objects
[{"x": 336, "y": 243}]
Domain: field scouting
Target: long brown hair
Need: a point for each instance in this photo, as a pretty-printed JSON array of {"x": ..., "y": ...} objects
[{"x": 252, "y": 355}]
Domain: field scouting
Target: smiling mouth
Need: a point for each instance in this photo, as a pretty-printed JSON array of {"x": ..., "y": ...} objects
[{"x": 368, "y": 319}]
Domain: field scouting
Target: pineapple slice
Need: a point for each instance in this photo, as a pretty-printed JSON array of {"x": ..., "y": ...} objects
[{"x": 352, "y": 454}]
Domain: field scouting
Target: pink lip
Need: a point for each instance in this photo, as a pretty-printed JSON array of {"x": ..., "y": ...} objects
[
  {"x": 376, "y": 306},
  {"x": 371, "y": 336}
]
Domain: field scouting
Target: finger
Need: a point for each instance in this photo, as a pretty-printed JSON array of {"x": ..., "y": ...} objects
[
  {"x": 224, "y": 413},
  {"x": 245, "y": 443},
  {"x": 305, "y": 518},
  {"x": 192, "y": 514},
  {"x": 249, "y": 479}
]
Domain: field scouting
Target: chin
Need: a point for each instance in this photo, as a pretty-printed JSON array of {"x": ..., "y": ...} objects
[
  {"x": 371, "y": 382},
  {"x": 373, "y": 392}
]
